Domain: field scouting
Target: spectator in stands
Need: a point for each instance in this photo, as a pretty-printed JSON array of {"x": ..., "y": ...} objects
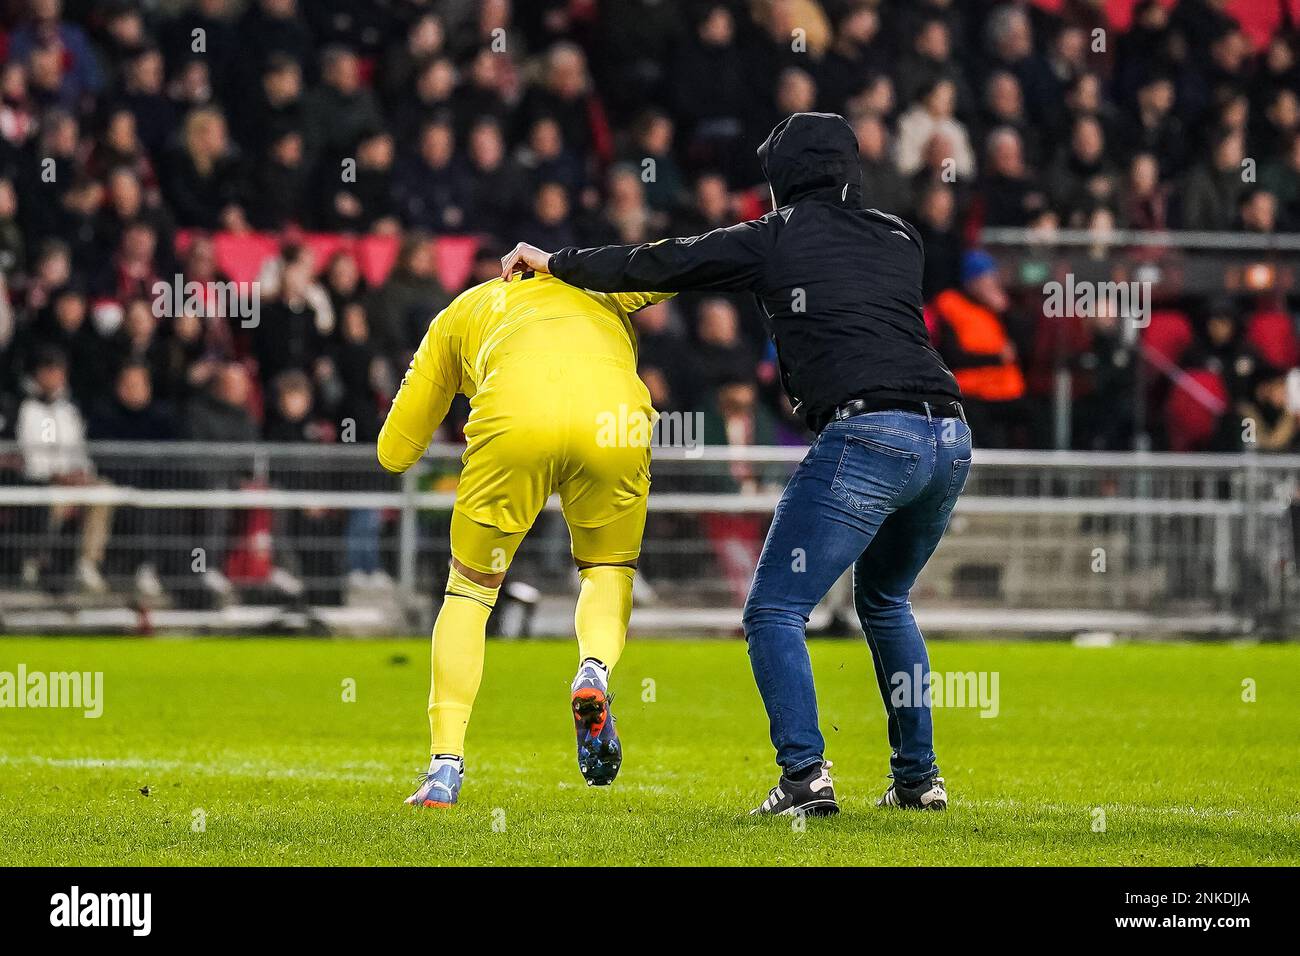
[
  {"x": 432, "y": 99},
  {"x": 51, "y": 436},
  {"x": 1010, "y": 38},
  {"x": 1004, "y": 108},
  {"x": 202, "y": 181},
  {"x": 932, "y": 117},
  {"x": 495, "y": 195},
  {"x": 1265, "y": 420},
  {"x": 720, "y": 354},
  {"x": 277, "y": 106},
  {"x": 13, "y": 247},
  {"x": 1257, "y": 211},
  {"x": 426, "y": 39},
  {"x": 546, "y": 157},
  {"x": 565, "y": 95},
  {"x": 45, "y": 29},
  {"x": 1221, "y": 347},
  {"x": 1213, "y": 188},
  {"x": 1153, "y": 126},
  {"x": 1012, "y": 197},
  {"x": 883, "y": 186},
  {"x": 125, "y": 203},
  {"x": 296, "y": 318},
  {"x": 120, "y": 148},
  {"x": 273, "y": 26},
  {"x": 711, "y": 207},
  {"x": 1282, "y": 179},
  {"x": 403, "y": 307},
  {"x": 64, "y": 328},
  {"x": 134, "y": 416},
  {"x": 367, "y": 383},
  {"x": 550, "y": 220},
  {"x": 432, "y": 187},
  {"x": 651, "y": 153},
  {"x": 135, "y": 268},
  {"x": 281, "y": 184},
  {"x": 936, "y": 221},
  {"x": 293, "y": 419},
  {"x": 858, "y": 48},
  {"x": 928, "y": 62},
  {"x": 364, "y": 203},
  {"x": 1083, "y": 176},
  {"x": 340, "y": 110},
  {"x": 144, "y": 95},
  {"x": 712, "y": 60},
  {"x": 973, "y": 338},
  {"x": 1146, "y": 198},
  {"x": 1103, "y": 367},
  {"x": 626, "y": 218},
  {"x": 221, "y": 414}
]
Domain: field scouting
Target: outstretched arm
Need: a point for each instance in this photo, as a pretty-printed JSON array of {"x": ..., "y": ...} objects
[{"x": 730, "y": 259}]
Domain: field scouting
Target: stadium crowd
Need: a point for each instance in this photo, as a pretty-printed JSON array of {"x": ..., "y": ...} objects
[{"x": 141, "y": 141}]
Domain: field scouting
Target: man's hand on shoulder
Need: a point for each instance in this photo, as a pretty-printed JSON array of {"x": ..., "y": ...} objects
[{"x": 524, "y": 258}]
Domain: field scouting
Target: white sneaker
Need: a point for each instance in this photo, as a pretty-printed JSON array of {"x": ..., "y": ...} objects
[
  {"x": 358, "y": 581},
  {"x": 147, "y": 583},
  {"x": 283, "y": 581},
  {"x": 31, "y": 573},
  {"x": 88, "y": 577},
  {"x": 217, "y": 582},
  {"x": 642, "y": 592}
]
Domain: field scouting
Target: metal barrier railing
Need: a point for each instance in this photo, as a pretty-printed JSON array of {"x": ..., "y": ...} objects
[{"x": 189, "y": 533}]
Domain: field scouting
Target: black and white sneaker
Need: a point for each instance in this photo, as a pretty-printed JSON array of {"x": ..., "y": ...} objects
[
  {"x": 813, "y": 796},
  {"x": 929, "y": 794}
]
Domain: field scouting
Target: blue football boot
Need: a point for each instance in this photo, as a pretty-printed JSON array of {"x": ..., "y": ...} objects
[
  {"x": 440, "y": 787},
  {"x": 599, "y": 752}
]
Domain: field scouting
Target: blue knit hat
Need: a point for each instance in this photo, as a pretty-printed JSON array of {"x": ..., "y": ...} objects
[{"x": 976, "y": 263}]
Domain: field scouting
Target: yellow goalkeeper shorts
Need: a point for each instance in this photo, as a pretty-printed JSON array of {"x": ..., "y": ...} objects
[{"x": 545, "y": 422}]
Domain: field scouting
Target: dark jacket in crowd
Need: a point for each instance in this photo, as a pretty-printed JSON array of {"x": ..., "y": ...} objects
[{"x": 840, "y": 285}]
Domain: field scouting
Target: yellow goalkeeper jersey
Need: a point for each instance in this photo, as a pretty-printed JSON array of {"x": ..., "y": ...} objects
[{"x": 485, "y": 325}]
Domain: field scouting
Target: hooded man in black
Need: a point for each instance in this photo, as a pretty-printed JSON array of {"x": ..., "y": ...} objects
[{"x": 840, "y": 289}]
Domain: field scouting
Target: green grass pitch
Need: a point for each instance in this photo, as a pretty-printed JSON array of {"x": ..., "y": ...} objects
[{"x": 216, "y": 751}]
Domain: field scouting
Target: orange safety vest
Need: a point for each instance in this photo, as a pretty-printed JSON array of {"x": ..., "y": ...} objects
[{"x": 980, "y": 332}]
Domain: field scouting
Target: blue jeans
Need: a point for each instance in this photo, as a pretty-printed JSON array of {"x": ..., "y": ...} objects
[
  {"x": 361, "y": 540},
  {"x": 875, "y": 492}
]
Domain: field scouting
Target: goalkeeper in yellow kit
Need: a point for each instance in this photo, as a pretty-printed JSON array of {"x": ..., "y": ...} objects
[{"x": 545, "y": 367}]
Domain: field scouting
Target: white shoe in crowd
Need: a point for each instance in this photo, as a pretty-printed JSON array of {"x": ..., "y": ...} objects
[
  {"x": 88, "y": 577},
  {"x": 217, "y": 583},
  {"x": 285, "y": 583},
  {"x": 147, "y": 583}
]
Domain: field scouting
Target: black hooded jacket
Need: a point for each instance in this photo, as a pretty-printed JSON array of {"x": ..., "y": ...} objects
[{"x": 839, "y": 285}]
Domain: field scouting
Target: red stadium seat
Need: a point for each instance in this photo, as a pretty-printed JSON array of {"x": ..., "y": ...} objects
[
  {"x": 376, "y": 255},
  {"x": 240, "y": 257},
  {"x": 1189, "y": 419},
  {"x": 1272, "y": 334},
  {"x": 1169, "y": 334},
  {"x": 324, "y": 245},
  {"x": 455, "y": 256}
]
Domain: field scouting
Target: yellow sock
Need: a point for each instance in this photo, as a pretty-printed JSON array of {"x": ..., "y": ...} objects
[
  {"x": 604, "y": 607},
  {"x": 458, "y": 637}
]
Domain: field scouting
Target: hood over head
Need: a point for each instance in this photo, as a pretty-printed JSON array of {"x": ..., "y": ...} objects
[{"x": 812, "y": 153}]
